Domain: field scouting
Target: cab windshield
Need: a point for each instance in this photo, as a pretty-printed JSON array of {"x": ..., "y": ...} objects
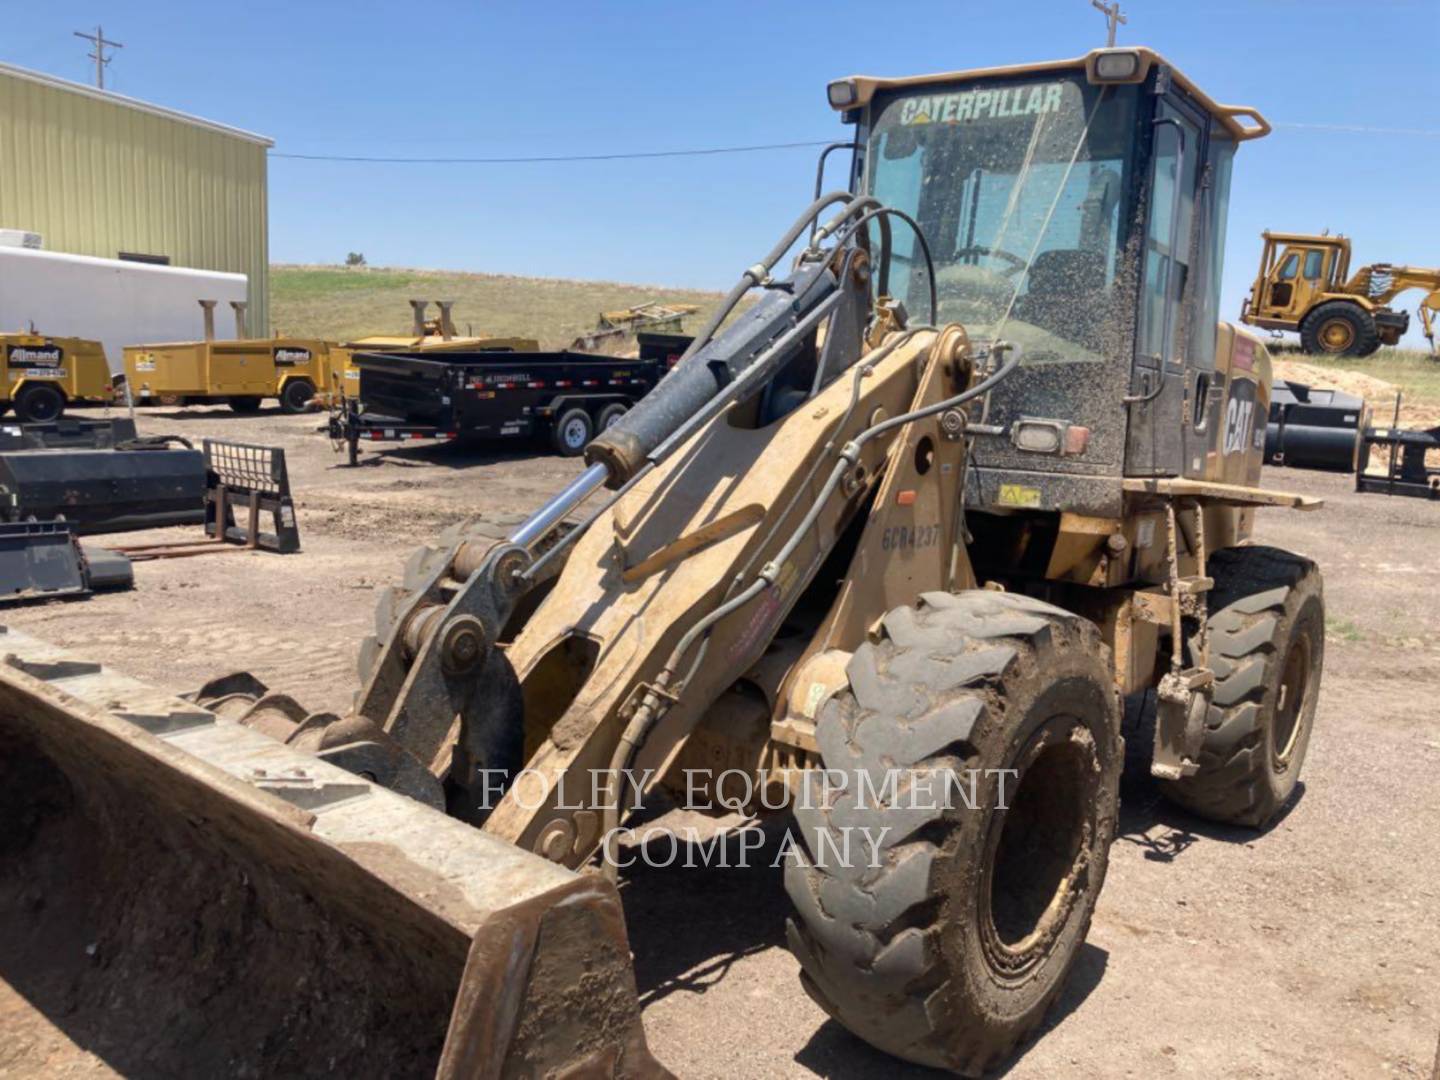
[{"x": 1018, "y": 185}]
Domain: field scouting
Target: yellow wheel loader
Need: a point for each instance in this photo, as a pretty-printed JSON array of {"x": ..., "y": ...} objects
[
  {"x": 894, "y": 549},
  {"x": 1304, "y": 286}
]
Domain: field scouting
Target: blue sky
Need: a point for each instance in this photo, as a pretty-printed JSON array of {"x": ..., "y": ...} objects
[{"x": 497, "y": 79}]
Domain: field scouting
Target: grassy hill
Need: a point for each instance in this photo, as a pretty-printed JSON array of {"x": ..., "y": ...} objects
[{"x": 338, "y": 303}]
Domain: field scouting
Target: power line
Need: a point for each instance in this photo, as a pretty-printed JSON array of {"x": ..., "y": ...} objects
[
  {"x": 710, "y": 151},
  {"x": 553, "y": 158},
  {"x": 1362, "y": 129},
  {"x": 101, "y": 60}
]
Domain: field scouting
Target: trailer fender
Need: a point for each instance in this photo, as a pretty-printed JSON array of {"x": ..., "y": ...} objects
[{"x": 593, "y": 403}]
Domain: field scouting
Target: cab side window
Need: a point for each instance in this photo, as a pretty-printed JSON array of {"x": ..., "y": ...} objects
[
  {"x": 1288, "y": 267},
  {"x": 1314, "y": 265}
]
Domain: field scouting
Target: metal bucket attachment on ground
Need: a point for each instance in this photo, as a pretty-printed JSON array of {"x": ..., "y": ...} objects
[
  {"x": 184, "y": 896},
  {"x": 42, "y": 560}
]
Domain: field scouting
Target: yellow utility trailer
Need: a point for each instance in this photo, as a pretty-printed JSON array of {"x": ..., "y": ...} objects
[
  {"x": 241, "y": 373},
  {"x": 44, "y": 374}
]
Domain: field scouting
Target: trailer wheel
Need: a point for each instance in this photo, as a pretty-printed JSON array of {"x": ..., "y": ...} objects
[
  {"x": 39, "y": 403},
  {"x": 1267, "y": 648},
  {"x": 244, "y": 405},
  {"x": 610, "y": 414},
  {"x": 296, "y": 396},
  {"x": 1339, "y": 328},
  {"x": 944, "y": 938},
  {"x": 572, "y": 432}
]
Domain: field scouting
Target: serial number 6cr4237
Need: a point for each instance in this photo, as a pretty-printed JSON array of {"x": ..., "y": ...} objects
[{"x": 909, "y": 537}]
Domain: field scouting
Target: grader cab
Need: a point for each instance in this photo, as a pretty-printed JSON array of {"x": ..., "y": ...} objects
[
  {"x": 1305, "y": 286},
  {"x": 972, "y": 468}
]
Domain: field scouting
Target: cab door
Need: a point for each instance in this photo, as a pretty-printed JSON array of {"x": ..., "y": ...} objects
[
  {"x": 1283, "y": 291},
  {"x": 1310, "y": 281},
  {"x": 1159, "y": 391}
]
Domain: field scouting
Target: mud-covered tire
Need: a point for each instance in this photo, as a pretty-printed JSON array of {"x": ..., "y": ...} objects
[
  {"x": 296, "y": 397},
  {"x": 1267, "y": 649},
  {"x": 948, "y": 950},
  {"x": 39, "y": 403},
  {"x": 1339, "y": 328}
]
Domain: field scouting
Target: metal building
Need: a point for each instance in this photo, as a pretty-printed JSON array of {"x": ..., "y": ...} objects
[{"x": 98, "y": 173}]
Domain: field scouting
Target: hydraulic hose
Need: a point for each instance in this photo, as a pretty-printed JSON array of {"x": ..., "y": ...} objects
[
  {"x": 760, "y": 272},
  {"x": 884, "y": 213}
]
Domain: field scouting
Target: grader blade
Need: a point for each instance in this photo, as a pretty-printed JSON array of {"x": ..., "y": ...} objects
[{"x": 182, "y": 895}]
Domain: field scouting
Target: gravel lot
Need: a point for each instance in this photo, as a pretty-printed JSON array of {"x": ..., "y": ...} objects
[{"x": 1312, "y": 949}]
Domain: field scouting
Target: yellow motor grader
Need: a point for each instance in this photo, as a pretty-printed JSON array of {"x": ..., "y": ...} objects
[
  {"x": 971, "y": 469},
  {"x": 1304, "y": 286}
]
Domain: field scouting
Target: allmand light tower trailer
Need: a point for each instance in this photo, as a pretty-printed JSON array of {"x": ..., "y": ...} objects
[{"x": 973, "y": 467}]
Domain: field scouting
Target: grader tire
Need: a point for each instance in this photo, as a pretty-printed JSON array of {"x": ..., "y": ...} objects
[
  {"x": 1267, "y": 648},
  {"x": 1339, "y": 328},
  {"x": 948, "y": 950}
]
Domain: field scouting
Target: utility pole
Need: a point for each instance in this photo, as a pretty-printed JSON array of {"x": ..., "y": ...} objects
[
  {"x": 1112, "y": 16},
  {"x": 98, "y": 40}
]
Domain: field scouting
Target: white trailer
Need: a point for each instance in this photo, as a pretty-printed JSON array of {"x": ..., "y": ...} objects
[{"x": 113, "y": 301}]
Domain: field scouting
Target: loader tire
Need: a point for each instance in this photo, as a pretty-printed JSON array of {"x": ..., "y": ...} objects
[
  {"x": 296, "y": 396},
  {"x": 1339, "y": 328},
  {"x": 948, "y": 949},
  {"x": 1267, "y": 648},
  {"x": 39, "y": 403}
]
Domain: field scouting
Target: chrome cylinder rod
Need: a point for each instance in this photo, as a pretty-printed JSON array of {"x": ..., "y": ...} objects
[{"x": 548, "y": 516}]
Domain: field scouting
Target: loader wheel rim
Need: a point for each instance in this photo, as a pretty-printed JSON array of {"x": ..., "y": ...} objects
[
  {"x": 1337, "y": 335},
  {"x": 1290, "y": 700},
  {"x": 1036, "y": 854}
]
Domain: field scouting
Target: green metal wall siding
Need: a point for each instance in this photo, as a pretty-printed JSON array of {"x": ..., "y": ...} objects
[{"x": 97, "y": 177}]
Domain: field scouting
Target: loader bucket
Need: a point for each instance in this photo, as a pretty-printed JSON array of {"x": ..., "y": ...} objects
[{"x": 181, "y": 895}]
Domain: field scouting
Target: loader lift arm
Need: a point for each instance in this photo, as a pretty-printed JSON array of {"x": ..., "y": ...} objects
[{"x": 436, "y": 681}]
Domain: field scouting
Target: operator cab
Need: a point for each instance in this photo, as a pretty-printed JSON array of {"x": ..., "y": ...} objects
[
  {"x": 1075, "y": 210},
  {"x": 1295, "y": 269}
]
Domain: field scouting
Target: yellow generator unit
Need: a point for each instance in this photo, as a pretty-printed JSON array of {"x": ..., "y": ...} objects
[
  {"x": 241, "y": 373},
  {"x": 429, "y": 335},
  {"x": 1305, "y": 286},
  {"x": 44, "y": 374}
]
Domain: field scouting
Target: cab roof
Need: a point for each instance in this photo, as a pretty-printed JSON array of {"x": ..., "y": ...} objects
[{"x": 1231, "y": 117}]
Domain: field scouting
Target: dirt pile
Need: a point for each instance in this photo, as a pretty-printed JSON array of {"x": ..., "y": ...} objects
[{"x": 1375, "y": 391}]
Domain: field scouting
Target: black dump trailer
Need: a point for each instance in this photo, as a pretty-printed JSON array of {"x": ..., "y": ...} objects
[{"x": 564, "y": 397}]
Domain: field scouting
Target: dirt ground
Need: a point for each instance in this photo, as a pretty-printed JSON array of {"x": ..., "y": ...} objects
[{"x": 1311, "y": 949}]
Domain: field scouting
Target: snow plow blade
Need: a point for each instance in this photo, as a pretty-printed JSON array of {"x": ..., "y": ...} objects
[{"x": 185, "y": 896}]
